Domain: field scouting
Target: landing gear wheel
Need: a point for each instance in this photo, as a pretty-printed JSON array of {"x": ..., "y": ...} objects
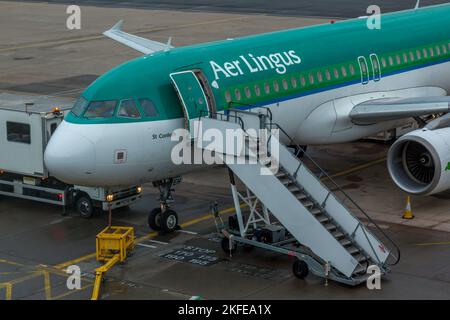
[
  {"x": 300, "y": 269},
  {"x": 225, "y": 244},
  {"x": 84, "y": 206},
  {"x": 154, "y": 219},
  {"x": 169, "y": 221}
]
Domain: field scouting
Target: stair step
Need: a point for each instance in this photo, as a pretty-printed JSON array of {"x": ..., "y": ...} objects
[
  {"x": 360, "y": 258},
  {"x": 307, "y": 203},
  {"x": 345, "y": 242},
  {"x": 301, "y": 196},
  {"x": 330, "y": 226},
  {"x": 337, "y": 234},
  {"x": 285, "y": 180},
  {"x": 352, "y": 250},
  {"x": 323, "y": 218},
  {"x": 293, "y": 188},
  {"x": 315, "y": 211},
  {"x": 359, "y": 269},
  {"x": 281, "y": 174}
]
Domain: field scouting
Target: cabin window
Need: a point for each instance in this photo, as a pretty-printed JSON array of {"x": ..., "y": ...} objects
[
  {"x": 148, "y": 107},
  {"x": 128, "y": 109},
  {"x": 285, "y": 84},
  {"x": 237, "y": 94},
  {"x": 352, "y": 69},
  {"x": 431, "y": 52},
  {"x": 344, "y": 71},
  {"x": 364, "y": 67},
  {"x": 411, "y": 56},
  {"x": 293, "y": 82},
  {"x": 101, "y": 109},
  {"x": 319, "y": 76},
  {"x": 327, "y": 74},
  {"x": 397, "y": 58},
  {"x": 336, "y": 73},
  {"x": 302, "y": 81},
  {"x": 448, "y": 46},
  {"x": 418, "y": 54},
  {"x": 18, "y": 132},
  {"x": 438, "y": 51},
  {"x": 444, "y": 49},
  {"x": 267, "y": 88},
  {"x": 276, "y": 86},
  {"x": 391, "y": 61},
  {"x": 383, "y": 62},
  {"x": 227, "y": 96},
  {"x": 311, "y": 79},
  {"x": 248, "y": 94},
  {"x": 405, "y": 58},
  {"x": 257, "y": 90},
  {"x": 79, "y": 106},
  {"x": 425, "y": 53}
]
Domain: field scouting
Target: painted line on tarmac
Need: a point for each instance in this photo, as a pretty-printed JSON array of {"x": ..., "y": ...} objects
[
  {"x": 433, "y": 244},
  {"x": 356, "y": 168},
  {"x": 146, "y": 245}
]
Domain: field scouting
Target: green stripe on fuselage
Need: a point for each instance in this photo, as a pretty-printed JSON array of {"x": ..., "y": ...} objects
[{"x": 320, "y": 48}]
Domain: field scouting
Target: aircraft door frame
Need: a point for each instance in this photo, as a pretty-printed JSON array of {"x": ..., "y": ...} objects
[
  {"x": 191, "y": 94},
  {"x": 365, "y": 76},
  {"x": 376, "y": 71}
]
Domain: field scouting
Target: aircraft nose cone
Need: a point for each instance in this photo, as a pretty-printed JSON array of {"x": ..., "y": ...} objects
[{"x": 70, "y": 156}]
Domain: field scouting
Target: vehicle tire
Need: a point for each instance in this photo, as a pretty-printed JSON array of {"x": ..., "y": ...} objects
[
  {"x": 300, "y": 269},
  {"x": 225, "y": 244},
  {"x": 154, "y": 219},
  {"x": 84, "y": 206},
  {"x": 169, "y": 221}
]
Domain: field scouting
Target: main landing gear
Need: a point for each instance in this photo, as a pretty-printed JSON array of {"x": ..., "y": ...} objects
[{"x": 163, "y": 218}]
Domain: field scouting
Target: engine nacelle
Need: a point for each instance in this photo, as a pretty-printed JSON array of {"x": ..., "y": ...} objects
[{"x": 419, "y": 162}]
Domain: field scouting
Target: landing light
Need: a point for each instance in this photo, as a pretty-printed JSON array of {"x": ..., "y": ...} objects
[
  {"x": 110, "y": 197},
  {"x": 139, "y": 189}
]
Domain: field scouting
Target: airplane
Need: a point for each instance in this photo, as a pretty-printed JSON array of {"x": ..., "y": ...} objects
[{"x": 324, "y": 84}]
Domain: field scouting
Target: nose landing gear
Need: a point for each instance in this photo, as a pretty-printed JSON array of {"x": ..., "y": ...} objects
[{"x": 163, "y": 218}]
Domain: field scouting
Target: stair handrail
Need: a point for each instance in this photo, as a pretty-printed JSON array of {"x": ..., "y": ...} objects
[
  {"x": 210, "y": 114},
  {"x": 269, "y": 115}
]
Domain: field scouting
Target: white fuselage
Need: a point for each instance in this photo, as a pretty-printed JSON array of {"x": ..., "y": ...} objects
[{"x": 319, "y": 118}]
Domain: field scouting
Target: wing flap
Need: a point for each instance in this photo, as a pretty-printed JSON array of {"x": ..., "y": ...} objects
[
  {"x": 386, "y": 109},
  {"x": 140, "y": 44}
]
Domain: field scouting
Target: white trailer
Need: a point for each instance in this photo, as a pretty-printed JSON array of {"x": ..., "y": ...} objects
[{"x": 27, "y": 123}]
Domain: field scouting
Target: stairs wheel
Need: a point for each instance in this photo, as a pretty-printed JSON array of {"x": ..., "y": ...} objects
[
  {"x": 300, "y": 269},
  {"x": 225, "y": 244},
  {"x": 154, "y": 219}
]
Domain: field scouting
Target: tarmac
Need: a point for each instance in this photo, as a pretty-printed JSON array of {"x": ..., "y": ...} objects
[{"x": 39, "y": 55}]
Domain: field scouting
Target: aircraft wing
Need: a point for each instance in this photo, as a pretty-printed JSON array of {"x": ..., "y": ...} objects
[
  {"x": 140, "y": 44},
  {"x": 385, "y": 109}
]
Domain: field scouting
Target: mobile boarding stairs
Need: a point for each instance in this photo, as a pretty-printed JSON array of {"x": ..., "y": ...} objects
[{"x": 287, "y": 208}]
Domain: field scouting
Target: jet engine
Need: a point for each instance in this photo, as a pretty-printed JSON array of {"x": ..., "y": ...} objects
[{"x": 419, "y": 162}]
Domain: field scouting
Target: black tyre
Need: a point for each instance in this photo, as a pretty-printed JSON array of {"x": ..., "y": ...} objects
[
  {"x": 154, "y": 219},
  {"x": 169, "y": 221},
  {"x": 84, "y": 206},
  {"x": 225, "y": 244},
  {"x": 300, "y": 269}
]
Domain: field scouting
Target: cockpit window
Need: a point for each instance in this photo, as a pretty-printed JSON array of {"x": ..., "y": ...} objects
[
  {"x": 100, "y": 109},
  {"x": 79, "y": 106},
  {"x": 128, "y": 109},
  {"x": 148, "y": 107}
]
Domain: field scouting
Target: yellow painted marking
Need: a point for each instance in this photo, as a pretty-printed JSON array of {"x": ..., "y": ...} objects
[
  {"x": 75, "y": 261},
  {"x": 65, "y": 294},
  {"x": 433, "y": 244},
  {"x": 8, "y": 287},
  {"x": 11, "y": 263},
  {"x": 59, "y": 42},
  {"x": 356, "y": 168},
  {"x": 47, "y": 286}
]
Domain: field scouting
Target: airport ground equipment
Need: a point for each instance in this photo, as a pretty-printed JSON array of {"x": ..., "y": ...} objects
[
  {"x": 289, "y": 209},
  {"x": 113, "y": 245},
  {"x": 27, "y": 123}
]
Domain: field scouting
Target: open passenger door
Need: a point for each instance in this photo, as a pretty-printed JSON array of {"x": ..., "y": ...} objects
[{"x": 191, "y": 94}]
